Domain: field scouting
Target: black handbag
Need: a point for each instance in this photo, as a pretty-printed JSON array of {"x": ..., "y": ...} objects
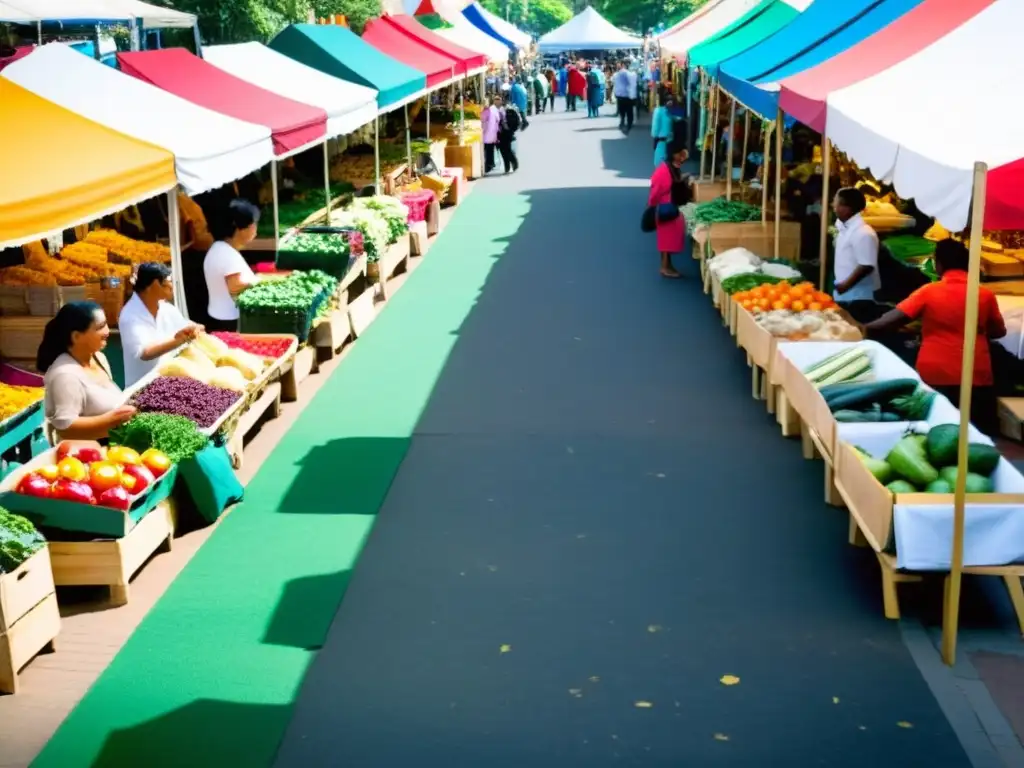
[{"x": 655, "y": 214}]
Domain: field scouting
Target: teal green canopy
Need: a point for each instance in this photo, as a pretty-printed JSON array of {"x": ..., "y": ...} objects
[
  {"x": 756, "y": 25},
  {"x": 341, "y": 53}
]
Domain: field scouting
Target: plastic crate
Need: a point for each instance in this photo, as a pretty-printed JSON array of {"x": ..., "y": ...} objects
[
  {"x": 295, "y": 322},
  {"x": 334, "y": 264}
]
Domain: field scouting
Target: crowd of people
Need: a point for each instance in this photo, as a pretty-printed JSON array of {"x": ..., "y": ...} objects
[{"x": 524, "y": 95}]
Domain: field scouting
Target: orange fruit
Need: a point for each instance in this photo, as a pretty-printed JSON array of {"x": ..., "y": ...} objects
[
  {"x": 814, "y": 306},
  {"x": 778, "y": 305},
  {"x": 797, "y": 305},
  {"x": 763, "y": 304}
]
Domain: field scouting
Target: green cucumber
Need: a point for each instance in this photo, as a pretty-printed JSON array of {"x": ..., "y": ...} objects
[
  {"x": 873, "y": 392},
  {"x": 939, "y": 486},
  {"x": 901, "y": 486},
  {"x": 880, "y": 469}
]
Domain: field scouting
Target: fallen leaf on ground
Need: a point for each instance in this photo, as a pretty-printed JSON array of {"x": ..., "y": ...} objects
[
  {"x": 654, "y": 627},
  {"x": 505, "y": 648},
  {"x": 577, "y": 692},
  {"x": 835, "y": 699},
  {"x": 721, "y": 737},
  {"x": 643, "y": 705},
  {"x": 905, "y": 724},
  {"x": 729, "y": 680},
  {"x": 594, "y": 678}
]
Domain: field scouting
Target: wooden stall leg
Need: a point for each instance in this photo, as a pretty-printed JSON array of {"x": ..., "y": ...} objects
[
  {"x": 768, "y": 392},
  {"x": 755, "y": 382},
  {"x": 1013, "y": 586},
  {"x": 890, "y": 599},
  {"x": 832, "y": 496},
  {"x": 806, "y": 444},
  {"x": 168, "y": 544},
  {"x": 8, "y": 674},
  {"x": 51, "y": 647},
  {"x": 855, "y": 537},
  {"x": 119, "y": 594}
]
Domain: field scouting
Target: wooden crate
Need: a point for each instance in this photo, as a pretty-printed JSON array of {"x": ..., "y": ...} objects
[
  {"x": 1011, "y": 417},
  {"x": 460, "y": 157},
  {"x": 297, "y": 371},
  {"x": 29, "y": 617},
  {"x": 20, "y": 336},
  {"x": 362, "y": 311},
  {"x": 757, "y": 238},
  {"x": 269, "y": 402},
  {"x": 705, "y": 191},
  {"x": 331, "y": 332},
  {"x": 113, "y": 562},
  {"x": 418, "y": 238},
  {"x": 392, "y": 262}
]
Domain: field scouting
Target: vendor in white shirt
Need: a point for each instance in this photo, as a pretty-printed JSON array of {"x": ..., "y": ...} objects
[
  {"x": 151, "y": 327},
  {"x": 227, "y": 273},
  {"x": 856, "y": 262}
]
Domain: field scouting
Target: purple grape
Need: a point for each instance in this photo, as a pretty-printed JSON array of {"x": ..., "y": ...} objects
[{"x": 181, "y": 396}]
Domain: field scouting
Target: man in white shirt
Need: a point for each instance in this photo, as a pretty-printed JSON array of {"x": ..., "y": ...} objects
[
  {"x": 634, "y": 98},
  {"x": 856, "y": 246},
  {"x": 622, "y": 93},
  {"x": 151, "y": 327}
]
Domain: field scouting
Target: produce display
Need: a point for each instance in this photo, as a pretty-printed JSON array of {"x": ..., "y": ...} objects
[
  {"x": 926, "y": 463},
  {"x": 720, "y": 210},
  {"x": 286, "y": 304},
  {"x": 126, "y": 250},
  {"x": 746, "y": 281},
  {"x": 213, "y": 362},
  {"x": 325, "y": 243},
  {"x": 371, "y": 224},
  {"x": 824, "y": 325},
  {"x": 15, "y": 399},
  {"x": 271, "y": 349},
  {"x": 779, "y": 294},
  {"x": 357, "y": 166},
  {"x": 392, "y": 210},
  {"x": 112, "y": 477},
  {"x": 19, "y": 540},
  {"x": 305, "y": 202},
  {"x": 176, "y": 437},
  {"x": 24, "y": 277},
  {"x": 181, "y": 396}
]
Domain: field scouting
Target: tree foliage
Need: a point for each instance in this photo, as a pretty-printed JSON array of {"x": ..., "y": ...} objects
[
  {"x": 237, "y": 21},
  {"x": 641, "y": 16},
  {"x": 540, "y": 16}
]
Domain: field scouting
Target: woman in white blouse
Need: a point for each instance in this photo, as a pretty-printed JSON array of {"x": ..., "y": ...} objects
[
  {"x": 227, "y": 273},
  {"x": 82, "y": 402}
]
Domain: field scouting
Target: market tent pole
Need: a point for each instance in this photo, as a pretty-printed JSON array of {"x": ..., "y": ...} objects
[
  {"x": 951, "y": 607},
  {"x": 728, "y": 162},
  {"x": 702, "y": 129},
  {"x": 746, "y": 138},
  {"x": 39, "y": 31},
  {"x": 177, "y": 268},
  {"x": 376, "y": 155},
  {"x": 327, "y": 184},
  {"x": 826, "y": 172},
  {"x": 408, "y": 137},
  {"x": 713, "y": 131},
  {"x": 766, "y": 129},
  {"x": 462, "y": 107},
  {"x": 428, "y": 117},
  {"x": 778, "y": 180},
  {"x": 277, "y": 217}
]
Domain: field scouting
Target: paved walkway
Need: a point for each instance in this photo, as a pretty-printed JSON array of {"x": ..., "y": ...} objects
[{"x": 598, "y": 550}]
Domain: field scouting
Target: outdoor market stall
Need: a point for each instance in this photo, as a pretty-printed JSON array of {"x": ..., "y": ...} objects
[
  {"x": 704, "y": 25},
  {"x": 440, "y": 69},
  {"x": 759, "y": 23},
  {"x": 210, "y": 149},
  {"x": 690, "y": 19},
  {"x": 101, "y": 171},
  {"x": 466, "y": 34},
  {"x": 587, "y": 31}
]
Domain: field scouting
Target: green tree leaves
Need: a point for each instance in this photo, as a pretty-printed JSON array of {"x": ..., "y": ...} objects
[
  {"x": 238, "y": 21},
  {"x": 536, "y": 16}
]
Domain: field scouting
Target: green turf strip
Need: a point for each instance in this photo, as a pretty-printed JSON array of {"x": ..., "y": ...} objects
[{"x": 209, "y": 677}]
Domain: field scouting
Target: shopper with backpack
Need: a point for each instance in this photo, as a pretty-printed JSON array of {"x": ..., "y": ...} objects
[{"x": 512, "y": 121}]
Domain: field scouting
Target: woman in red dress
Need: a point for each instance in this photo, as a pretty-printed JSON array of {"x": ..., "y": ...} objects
[
  {"x": 577, "y": 88},
  {"x": 668, "y": 188}
]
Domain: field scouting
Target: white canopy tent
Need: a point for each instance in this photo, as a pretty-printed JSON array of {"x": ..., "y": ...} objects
[
  {"x": 153, "y": 16},
  {"x": 706, "y": 25},
  {"x": 587, "y": 31},
  {"x": 348, "y": 106},
  {"x": 509, "y": 31},
  {"x": 210, "y": 149},
  {"x": 899, "y": 124}
]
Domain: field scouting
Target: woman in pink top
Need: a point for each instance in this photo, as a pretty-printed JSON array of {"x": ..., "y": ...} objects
[
  {"x": 490, "y": 119},
  {"x": 670, "y": 190}
]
